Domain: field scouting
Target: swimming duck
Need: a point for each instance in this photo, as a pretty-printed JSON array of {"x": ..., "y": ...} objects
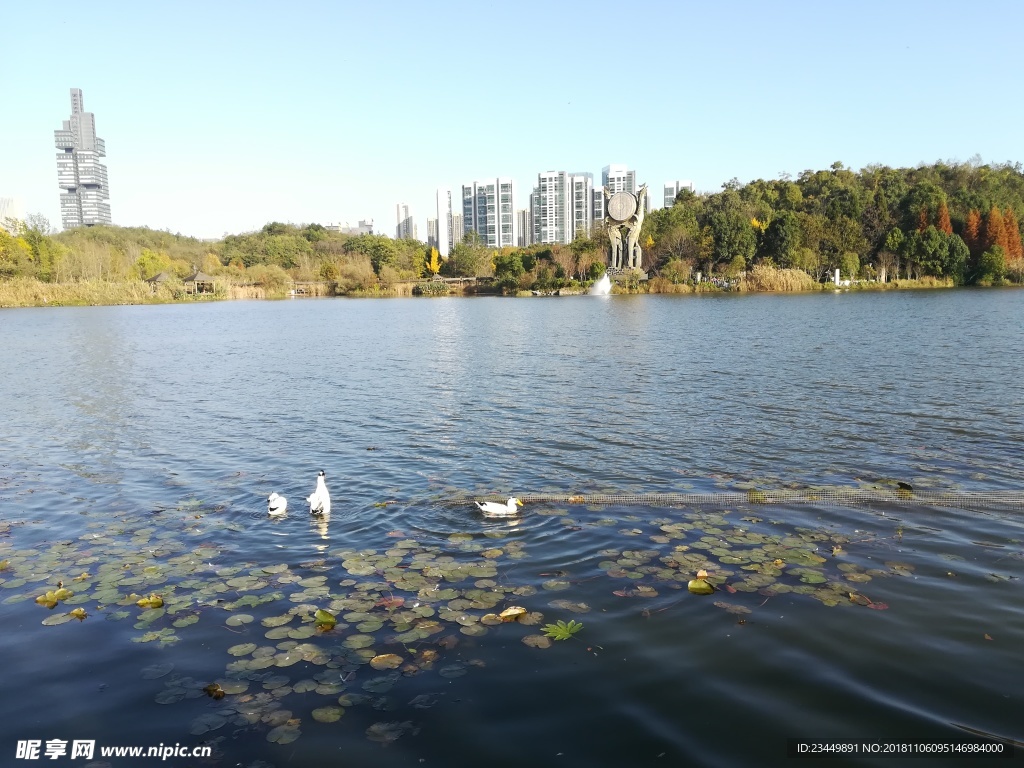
[
  {"x": 494, "y": 509},
  {"x": 276, "y": 505},
  {"x": 320, "y": 501}
]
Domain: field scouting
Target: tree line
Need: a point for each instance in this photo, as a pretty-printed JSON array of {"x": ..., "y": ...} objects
[
  {"x": 955, "y": 221},
  {"x": 959, "y": 221}
]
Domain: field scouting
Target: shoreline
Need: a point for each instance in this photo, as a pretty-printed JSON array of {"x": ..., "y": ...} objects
[{"x": 23, "y": 293}]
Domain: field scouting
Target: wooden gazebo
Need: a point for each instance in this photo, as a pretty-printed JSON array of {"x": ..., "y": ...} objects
[
  {"x": 200, "y": 282},
  {"x": 157, "y": 280}
]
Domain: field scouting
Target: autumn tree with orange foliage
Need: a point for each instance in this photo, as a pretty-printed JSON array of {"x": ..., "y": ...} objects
[
  {"x": 1014, "y": 249},
  {"x": 944, "y": 224},
  {"x": 995, "y": 230},
  {"x": 922, "y": 219},
  {"x": 972, "y": 233}
]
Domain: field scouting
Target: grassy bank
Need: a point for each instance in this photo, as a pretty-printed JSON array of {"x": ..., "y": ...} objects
[{"x": 26, "y": 292}]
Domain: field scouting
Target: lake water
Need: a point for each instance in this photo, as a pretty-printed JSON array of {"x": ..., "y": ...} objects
[{"x": 139, "y": 445}]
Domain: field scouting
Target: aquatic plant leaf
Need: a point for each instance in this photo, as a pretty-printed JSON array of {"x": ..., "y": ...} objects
[
  {"x": 284, "y": 734},
  {"x": 385, "y": 733},
  {"x": 537, "y": 641},
  {"x": 532, "y": 618},
  {"x": 700, "y": 587},
  {"x": 555, "y": 585},
  {"x": 325, "y": 618},
  {"x": 473, "y": 630},
  {"x": 233, "y": 687},
  {"x": 170, "y": 695},
  {"x": 239, "y": 619},
  {"x": 457, "y": 669},
  {"x": 490, "y": 619},
  {"x": 732, "y": 607},
  {"x": 425, "y": 700},
  {"x": 48, "y": 599},
  {"x": 386, "y": 661},
  {"x": 560, "y": 630},
  {"x": 214, "y": 691},
  {"x": 358, "y": 641},
  {"x": 328, "y": 714},
  {"x": 208, "y": 722},
  {"x": 153, "y": 601},
  {"x": 381, "y": 684},
  {"x": 156, "y": 671},
  {"x": 60, "y": 618},
  {"x": 512, "y": 613}
]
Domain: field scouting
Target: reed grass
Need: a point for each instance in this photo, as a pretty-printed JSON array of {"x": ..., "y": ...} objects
[{"x": 764, "y": 278}]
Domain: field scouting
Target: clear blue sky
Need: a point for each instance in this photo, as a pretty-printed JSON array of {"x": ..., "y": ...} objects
[{"x": 221, "y": 116}]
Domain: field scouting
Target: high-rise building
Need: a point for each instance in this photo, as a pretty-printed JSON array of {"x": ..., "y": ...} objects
[
  {"x": 457, "y": 230},
  {"x": 582, "y": 185},
  {"x": 445, "y": 232},
  {"x": 598, "y": 207},
  {"x": 673, "y": 188},
  {"x": 549, "y": 208},
  {"x": 432, "y": 233},
  {"x": 80, "y": 174},
  {"x": 488, "y": 208},
  {"x": 406, "y": 228},
  {"x": 560, "y": 207},
  {"x": 523, "y": 228},
  {"x": 618, "y": 178}
]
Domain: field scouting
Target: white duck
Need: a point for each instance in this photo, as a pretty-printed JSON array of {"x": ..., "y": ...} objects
[
  {"x": 320, "y": 501},
  {"x": 276, "y": 504},
  {"x": 494, "y": 509}
]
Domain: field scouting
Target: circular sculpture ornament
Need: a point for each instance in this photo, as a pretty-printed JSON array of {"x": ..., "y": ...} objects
[{"x": 621, "y": 206}]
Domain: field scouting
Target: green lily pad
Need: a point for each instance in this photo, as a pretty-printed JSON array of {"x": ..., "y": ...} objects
[
  {"x": 239, "y": 619},
  {"x": 284, "y": 734},
  {"x": 156, "y": 671},
  {"x": 328, "y": 714}
]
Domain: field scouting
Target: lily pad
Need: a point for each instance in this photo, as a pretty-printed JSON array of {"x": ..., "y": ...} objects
[
  {"x": 156, "y": 671},
  {"x": 328, "y": 714},
  {"x": 239, "y": 619}
]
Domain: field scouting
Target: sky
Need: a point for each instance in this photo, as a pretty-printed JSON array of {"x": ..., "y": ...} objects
[{"x": 220, "y": 117}]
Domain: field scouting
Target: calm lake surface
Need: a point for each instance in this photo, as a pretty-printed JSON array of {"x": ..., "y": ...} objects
[{"x": 139, "y": 444}]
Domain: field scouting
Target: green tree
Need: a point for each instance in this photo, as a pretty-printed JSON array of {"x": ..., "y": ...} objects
[
  {"x": 991, "y": 265},
  {"x": 781, "y": 239}
]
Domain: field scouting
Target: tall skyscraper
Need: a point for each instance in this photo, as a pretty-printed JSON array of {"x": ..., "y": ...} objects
[
  {"x": 406, "y": 228},
  {"x": 673, "y": 188},
  {"x": 80, "y": 174},
  {"x": 488, "y": 208}
]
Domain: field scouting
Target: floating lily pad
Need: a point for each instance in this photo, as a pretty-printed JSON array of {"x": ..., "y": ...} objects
[
  {"x": 555, "y": 585},
  {"x": 385, "y": 733},
  {"x": 537, "y": 641},
  {"x": 156, "y": 671},
  {"x": 452, "y": 670},
  {"x": 386, "y": 661},
  {"x": 284, "y": 734},
  {"x": 238, "y": 620},
  {"x": 328, "y": 714}
]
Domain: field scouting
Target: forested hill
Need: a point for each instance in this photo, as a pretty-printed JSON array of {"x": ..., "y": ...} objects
[{"x": 959, "y": 220}]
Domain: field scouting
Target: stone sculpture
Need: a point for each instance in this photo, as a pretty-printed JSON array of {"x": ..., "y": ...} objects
[{"x": 624, "y": 210}]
